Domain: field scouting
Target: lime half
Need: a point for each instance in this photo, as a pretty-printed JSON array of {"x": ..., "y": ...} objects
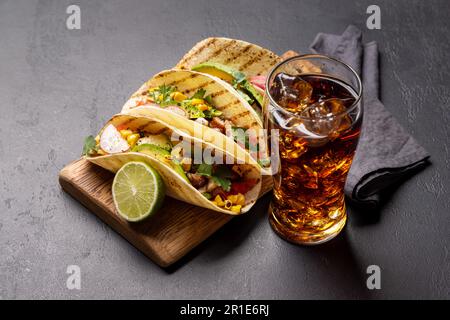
[{"x": 138, "y": 191}]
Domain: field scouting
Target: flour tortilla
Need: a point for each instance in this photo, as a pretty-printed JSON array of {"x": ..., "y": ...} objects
[
  {"x": 223, "y": 96},
  {"x": 250, "y": 59},
  {"x": 176, "y": 186}
]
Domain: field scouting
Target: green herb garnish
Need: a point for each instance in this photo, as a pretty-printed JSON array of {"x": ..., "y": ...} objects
[
  {"x": 207, "y": 195},
  {"x": 210, "y": 113},
  {"x": 223, "y": 172},
  {"x": 199, "y": 94},
  {"x": 208, "y": 99},
  {"x": 220, "y": 175},
  {"x": 162, "y": 96},
  {"x": 239, "y": 135},
  {"x": 90, "y": 146},
  {"x": 205, "y": 169},
  {"x": 192, "y": 111},
  {"x": 224, "y": 183}
]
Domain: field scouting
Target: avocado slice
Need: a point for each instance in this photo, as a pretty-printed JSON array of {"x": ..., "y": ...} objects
[
  {"x": 253, "y": 92},
  {"x": 152, "y": 149},
  {"x": 162, "y": 155},
  {"x": 160, "y": 140},
  {"x": 220, "y": 71},
  {"x": 231, "y": 76}
]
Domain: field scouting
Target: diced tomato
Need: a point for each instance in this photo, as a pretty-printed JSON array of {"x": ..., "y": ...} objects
[
  {"x": 242, "y": 187},
  {"x": 259, "y": 81},
  {"x": 140, "y": 103},
  {"x": 121, "y": 127}
]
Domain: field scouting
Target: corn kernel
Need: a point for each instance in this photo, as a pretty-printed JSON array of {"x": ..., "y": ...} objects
[
  {"x": 101, "y": 152},
  {"x": 160, "y": 97},
  {"x": 125, "y": 133},
  {"x": 197, "y": 101},
  {"x": 133, "y": 138},
  {"x": 227, "y": 204},
  {"x": 152, "y": 89},
  {"x": 97, "y": 139},
  {"x": 178, "y": 96},
  {"x": 240, "y": 199},
  {"x": 232, "y": 198},
  {"x": 202, "y": 107},
  {"x": 236, "y": 208},
  {"x": 218, "y": 201}
]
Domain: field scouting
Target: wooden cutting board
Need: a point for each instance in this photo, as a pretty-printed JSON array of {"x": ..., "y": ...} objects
[{"x": 165, "y": 237}]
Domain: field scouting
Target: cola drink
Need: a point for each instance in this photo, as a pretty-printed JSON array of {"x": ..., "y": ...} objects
[{"x": 318, "y": 121}]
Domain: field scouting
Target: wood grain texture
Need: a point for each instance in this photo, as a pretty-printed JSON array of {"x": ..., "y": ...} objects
[{"x": 165, "y": 237}]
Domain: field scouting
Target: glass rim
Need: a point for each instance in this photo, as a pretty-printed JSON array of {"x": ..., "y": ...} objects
[{"x": 303, "y": 56}]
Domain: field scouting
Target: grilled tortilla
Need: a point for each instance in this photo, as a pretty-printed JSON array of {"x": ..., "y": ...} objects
[
  {"x": 231, "y": 108},
  {"x": 243, "y": 65},
  {"x": 227, "y": 188},
  {"x": 245, "y": 57}
]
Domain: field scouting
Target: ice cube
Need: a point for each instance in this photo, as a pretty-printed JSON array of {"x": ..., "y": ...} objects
[
  {"x": 304, "y": 91},
  {"x": 291, "y": 92},
  {"x": 288, "y": 122},
  {"x": 326, "y": 117},
  {"x": 325, "y": 108}
]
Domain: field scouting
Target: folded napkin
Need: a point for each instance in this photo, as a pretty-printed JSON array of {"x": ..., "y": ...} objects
[{"x": 386, "y": 152}]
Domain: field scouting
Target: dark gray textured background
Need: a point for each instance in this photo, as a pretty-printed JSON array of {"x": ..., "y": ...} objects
[{"x": 57, "y": 86}]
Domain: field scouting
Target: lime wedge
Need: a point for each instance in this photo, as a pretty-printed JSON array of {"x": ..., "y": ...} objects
[{"x": 138, "y": 191}]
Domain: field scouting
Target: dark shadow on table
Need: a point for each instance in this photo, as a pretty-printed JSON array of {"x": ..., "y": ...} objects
[
  {"x": 335, "y": 263},
  {"x": 367, "y": 215},
  {"x": 229, "y": 237}
]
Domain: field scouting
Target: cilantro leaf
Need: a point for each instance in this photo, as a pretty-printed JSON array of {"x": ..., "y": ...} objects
[
  {"x": 162, "y": 95},
  {"x": 208, "y": 99},
  {"x": 205, "y": 169},
  {"x": 220, "y": 175},
  {"x": 223, "y": 172},
  {"x": 199, "y": 94},
  {"x": 90, "y": 146},
  {"x": 210, "y": 113},
  {"x": 239, "y": 135},
  {"x": 207, "y": 195},
  {"x": 193, "y": 111},
  {"x": 224, "y": 183}
]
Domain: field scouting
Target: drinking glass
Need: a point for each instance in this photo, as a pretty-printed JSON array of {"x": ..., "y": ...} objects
[{"x": 313, "y": 113}]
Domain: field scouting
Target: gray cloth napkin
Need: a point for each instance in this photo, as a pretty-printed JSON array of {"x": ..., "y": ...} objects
[{"x": 386, "y": 152}]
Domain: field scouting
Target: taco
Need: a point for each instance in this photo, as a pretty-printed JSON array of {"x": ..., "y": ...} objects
[
  {"x": 241, "y": 64},
  {"x": 202, "y": 104},
  {"x": 194, "y": 171}
]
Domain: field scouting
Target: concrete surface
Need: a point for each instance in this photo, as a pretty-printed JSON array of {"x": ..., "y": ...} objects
[{"x": 59, "y": 85}]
